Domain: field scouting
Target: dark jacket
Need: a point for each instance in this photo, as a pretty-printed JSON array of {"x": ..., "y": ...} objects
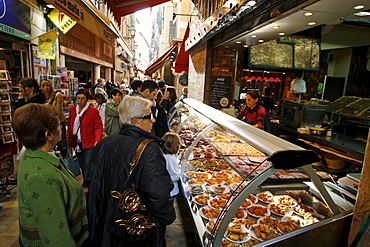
[
  {"x": 152, "y": 182},
  {"x": 167, "y": 104},
  {"x": 38, "y": 98},
  {"x": 160, "y": 125}
]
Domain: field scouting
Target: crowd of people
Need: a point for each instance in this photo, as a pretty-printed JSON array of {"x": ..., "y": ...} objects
[{"x": 55, "y": 210}]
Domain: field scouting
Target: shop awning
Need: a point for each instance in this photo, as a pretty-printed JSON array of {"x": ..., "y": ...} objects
[
  {"x": 182, "y": 60},
  {"x": 161, "y": 61},
  {"x": 125, "y": 7}
]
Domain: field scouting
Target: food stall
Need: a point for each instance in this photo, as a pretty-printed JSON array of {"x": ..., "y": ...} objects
[
  {"x": 246, "y": 187},
  {"x": 344, "y": 137}
]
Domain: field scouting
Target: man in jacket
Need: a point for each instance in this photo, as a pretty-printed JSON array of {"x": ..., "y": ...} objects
[
  {"x": 150, "y": 179},
  {"x": 149, "y": 90},
  {"x": 112, "y": 124}
]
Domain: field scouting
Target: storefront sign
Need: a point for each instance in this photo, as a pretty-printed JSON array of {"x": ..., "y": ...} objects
[
  {"x": 15, "y": 19},
  {"x": 83, "y": 15},
  {"x": 63, "y": 22},
  {"x": 220, "y": 90},
  {"x": 71, "y": 8},
  {"x": 47, "y": 45}
]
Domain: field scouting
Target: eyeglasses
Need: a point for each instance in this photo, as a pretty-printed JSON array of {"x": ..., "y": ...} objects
[
  {"x": 81, "y": 98},
  {"x": 149, "y": 116}
]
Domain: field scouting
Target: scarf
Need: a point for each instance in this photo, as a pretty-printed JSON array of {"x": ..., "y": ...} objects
[{"x": 76, "y": 124}]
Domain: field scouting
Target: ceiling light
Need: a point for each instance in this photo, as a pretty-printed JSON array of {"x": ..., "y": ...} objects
[
  {"x": 260, "y": 40},
  {"x": 281, "y": 34},
  {"x": 251, "y": 3},
  {"x": 238, "y": 42},
  {"x": 253, "y": 36},
  {"x": 360, "y": 6},
  {"x": 276, "y": 27},
  {"x": 245, "y": 46},
  {"x": 362, "y": 14},
  {"x": 50, "y": 6},
  {"x": 308, "y": 13},
  {"x": 311, "y": 23}
]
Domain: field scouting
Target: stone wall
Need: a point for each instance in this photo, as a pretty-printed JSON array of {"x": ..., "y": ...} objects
[{"x": 197, "y": 72}]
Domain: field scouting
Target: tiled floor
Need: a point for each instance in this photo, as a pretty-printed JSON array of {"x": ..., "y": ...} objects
[
  {"x": 179, "y": 234},
  {"x": 9, "y": 219}
]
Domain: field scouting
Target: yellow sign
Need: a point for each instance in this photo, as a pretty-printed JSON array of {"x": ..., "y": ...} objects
[
  {"x": 47, "y": 45},
  {"x": 63, "y": 22}
]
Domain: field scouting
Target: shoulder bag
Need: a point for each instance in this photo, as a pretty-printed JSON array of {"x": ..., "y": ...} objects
[
  {"x": 129, "y": 218},
  {"x": 72, "y": 139}
]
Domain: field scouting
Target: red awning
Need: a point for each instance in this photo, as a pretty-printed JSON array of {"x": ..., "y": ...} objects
[
  {"x": 161, "y": 61},
  {"x": 125, "y": 7},
  {"x": 182, "y": 60}
]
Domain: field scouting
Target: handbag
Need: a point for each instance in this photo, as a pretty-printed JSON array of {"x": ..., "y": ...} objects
[
  {"x": 129, "y": 218},
  {"x": 72, "y": 139},
  {"x": 72, "y": 164}
]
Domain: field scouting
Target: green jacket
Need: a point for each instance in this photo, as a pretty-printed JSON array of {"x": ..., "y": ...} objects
[
  {"x": 112, "y": 125},
  {"x": 51, "y": 203}
]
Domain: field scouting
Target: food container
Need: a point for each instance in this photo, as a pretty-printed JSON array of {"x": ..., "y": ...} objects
[
  {"x": 317, "y": 131},
  {"x": 306, "y": 131},
  {"x": 335, "y": 164}
]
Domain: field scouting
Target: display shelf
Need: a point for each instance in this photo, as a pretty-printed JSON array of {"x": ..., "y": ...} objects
[{"x": 216, "y": 143}]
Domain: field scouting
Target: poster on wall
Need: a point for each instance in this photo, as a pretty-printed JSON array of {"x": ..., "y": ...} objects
[
  {"x": 220, "y": 91},
  {"x": 47, "y": 45}
]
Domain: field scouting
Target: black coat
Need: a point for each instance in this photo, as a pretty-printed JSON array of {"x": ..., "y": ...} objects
[
  {"x": 153, "y": 183},
  {"x": 160, "y": 125},
  {"x": 38, "y": 98},
  {"x": 168, "y": 104}
]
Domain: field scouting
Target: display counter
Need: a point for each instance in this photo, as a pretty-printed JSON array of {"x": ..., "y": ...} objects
[{"x": 244, "y": 186}]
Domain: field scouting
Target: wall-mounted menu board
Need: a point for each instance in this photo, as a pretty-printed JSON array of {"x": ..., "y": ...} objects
[
  {"x": 290, "y": 52},
  {"x": 220, "y": 90}
]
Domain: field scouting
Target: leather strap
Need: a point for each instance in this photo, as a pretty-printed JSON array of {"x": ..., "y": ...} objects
[{"x": 137, "y": 155}]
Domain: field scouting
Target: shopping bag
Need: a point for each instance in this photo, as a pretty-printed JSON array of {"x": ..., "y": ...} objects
[{"x": 72, "y": 164}]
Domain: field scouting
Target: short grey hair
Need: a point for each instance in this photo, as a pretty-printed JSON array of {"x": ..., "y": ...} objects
[{"x": 131, "y": 107}]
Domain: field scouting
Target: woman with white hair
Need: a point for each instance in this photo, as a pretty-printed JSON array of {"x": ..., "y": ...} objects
[{"x": 150, "y": 178}]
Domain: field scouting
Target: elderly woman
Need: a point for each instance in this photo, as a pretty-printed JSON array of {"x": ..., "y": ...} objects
[
  {"x": 100, "y": 84},
  {"x": 30, "y": 93},
  {"x": 51, "y": 204},
  {"x": 85, "y": 122},
  {"x": 151, "y": 179},
  {"x": 56, "y": 99}
]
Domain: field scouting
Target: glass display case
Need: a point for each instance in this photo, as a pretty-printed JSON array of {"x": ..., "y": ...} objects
[{"x": 244, "y": 186}]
